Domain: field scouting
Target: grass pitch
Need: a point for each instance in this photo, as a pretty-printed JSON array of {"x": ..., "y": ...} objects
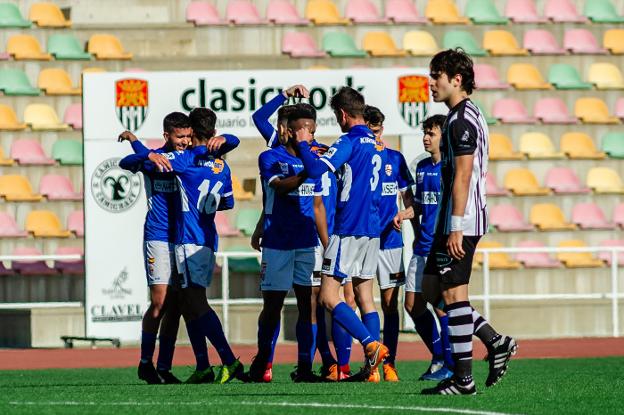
[{"x": 548, "y": 386}]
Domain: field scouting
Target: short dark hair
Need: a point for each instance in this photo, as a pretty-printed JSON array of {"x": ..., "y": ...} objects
[
  {"x": 453, "y": 62},
  {"x": 349, "y": 100},
  {"x": 302, "y": 110},
  {"x": 437, "y": 120},
  {"x": 373, "y": 115},
  {"x": 283, "y": 111},
  {"x": 175, "y": 120},
  {"x": 203, "y": 122}
]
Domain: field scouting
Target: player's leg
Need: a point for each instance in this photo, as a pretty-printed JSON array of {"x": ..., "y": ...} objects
[
  {"x": 329, "y": 368},
  {"x": 167, "y": 336},
  {"x": 342, "y": 339},
  {"x": 444, "y": 336}
]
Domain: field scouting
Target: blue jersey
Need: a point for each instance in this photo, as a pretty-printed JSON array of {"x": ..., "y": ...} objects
[
  {"x": 358, "y": 159},
  {"x": 395, "y": 178},
  {"x": 427, "y": 196},
  {"x": 288, "y": 218},
  {"x": 261, "y": 120}
]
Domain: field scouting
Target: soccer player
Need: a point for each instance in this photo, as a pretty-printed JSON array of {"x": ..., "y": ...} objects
[{"x": 461, "y": 221}]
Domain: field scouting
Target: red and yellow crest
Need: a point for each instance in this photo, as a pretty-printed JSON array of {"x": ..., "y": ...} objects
[
  {"x": 413, "y": 98},
  {"x": 131, "y": 102},
  {"x": 217, "y": 166}
]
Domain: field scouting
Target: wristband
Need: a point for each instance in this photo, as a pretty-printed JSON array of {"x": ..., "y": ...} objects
[{"x": 457, "y": 223}]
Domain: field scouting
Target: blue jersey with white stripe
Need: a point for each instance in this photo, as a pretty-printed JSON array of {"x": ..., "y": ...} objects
[
  {"x": 427, "y": 196},
  {"x": 395, "y": 178}
]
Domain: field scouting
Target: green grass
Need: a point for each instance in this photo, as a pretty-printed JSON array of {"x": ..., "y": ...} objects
[{"x": 570, "y": 386}]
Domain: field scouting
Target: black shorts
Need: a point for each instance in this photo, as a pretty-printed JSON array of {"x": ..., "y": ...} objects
[{"x": 449, "y": 270}]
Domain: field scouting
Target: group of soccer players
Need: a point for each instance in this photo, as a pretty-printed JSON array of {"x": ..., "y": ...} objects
[{"x": 330, "y": 226}]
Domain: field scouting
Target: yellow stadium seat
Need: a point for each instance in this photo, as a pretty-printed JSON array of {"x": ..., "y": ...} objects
[
  {"x": 580, "y": 146},
  {"x": 8, "y": 119},
  {"x": 319, "y": 68},
  {"x": 4, "y": 161},
  {"x": 577, "y": 259},
  {"x": 55, "y": 81},
  {"x": 43, "y": 117},
  {"x": 16, "y": 188},
  {"x": 48, "y": 15},
  {"x": 499, "y": 260},
  {"x": 420, "y": 43},
  {"x": 501, "y": 148},
  {"x": 522, "y": 182},
  {"x": 43, "y": 223},
  {"x": 381, "y": 44},
  {"x": 323, "y": 12},
  {"x": 613, "y": 39},
  {"x": 549, "y": 217},
  {"x": 239, "y": 192},
  {"x": 604, "y": 180},
  {"x": 593, "y": 111},
  {"x": 502, "y": 42},
  {"x": 538, "y": 146},
  {"x": 605, "y": 76},
  {"x": 26, "y": 47},
  {"x": 444, "y": 12},
  {"x": 105, "y": 46},
  {"x": 526, "y": 76}
]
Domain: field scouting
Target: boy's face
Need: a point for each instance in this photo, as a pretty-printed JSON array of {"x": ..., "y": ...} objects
[
  {"x": 179, "y": 138},
  {"x": 377, "y": 129},
  {"x": 297, "y": 125},
  {"x": 282, "y": 132},
  {"x": 431, "y": 139},
  {"x": 442, "y": 87}
]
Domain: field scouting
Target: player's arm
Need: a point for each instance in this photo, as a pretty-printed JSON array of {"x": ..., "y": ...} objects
[
  {"x": 332, "y": 160},
  {"x": 288, "y": 184},
  {"x": 405, "y": 181},
  {"x": 258, "y": 233},
  {"x": 221, "y": 145},
  {"x": 320, "y": 217},
  {"x": 133, "y": 162},
  {"x": 272, "y": 174},
  {"x": 227, "y": 198}
]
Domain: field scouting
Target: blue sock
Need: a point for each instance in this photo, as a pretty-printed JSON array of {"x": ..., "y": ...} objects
[
  {"x": 211, "y": 326},
  {"x": 424, "y": 326},
  {"x": 322, "y": 343},
  {"x": 342, "y": 344},
  {"x": 306, "y": 345},
  {"x": 446, "y": 342},
  {"x": 346, "y": 317},
  {"x": 198, "y": 343},
  {"x": 148, "y": 345},
  {"x": 266, "y": 334},
  {"x": 436, "y": 341},
  {"x": 166, "y": 347},
  {"x": 373, "y": 325},
  {"x": 276, "y": 333},
  {"x": 391, "y": 335}
]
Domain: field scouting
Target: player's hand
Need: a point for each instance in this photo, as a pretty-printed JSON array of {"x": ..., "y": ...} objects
[
  {"x": 255, "y": 240},
  {"x": 303, "y": 134},
  {"x": 126, "y": 136},
  {"x": 297, "y": 91},
  {"x": 161, "y": 162},
  {"x": 397, "y": 221},
  {"x": 454, "y": 245},
  {"x": 215, "y": 143},
  {"x": 320, "y": 150}
]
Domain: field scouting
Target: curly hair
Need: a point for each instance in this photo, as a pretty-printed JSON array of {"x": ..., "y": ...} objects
[{"x": 454, "y": 62}]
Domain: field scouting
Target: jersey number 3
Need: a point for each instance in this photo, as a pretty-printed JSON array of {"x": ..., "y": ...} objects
[
  {"x": 376, "y": 162},
  {"x": 209, "y": 199}
]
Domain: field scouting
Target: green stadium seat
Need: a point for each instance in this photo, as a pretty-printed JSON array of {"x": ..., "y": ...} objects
[
  {"x": 488, "y": 118},
  {"x": 464, "y": 40},
  {"x": 14, "y": 81},
  {"x": 340, "y": 44},
  {"x": 613, "y": 144},
  {"x": 601, "y": 11},
  {"x": 247, "y": 219},
  {"x": 564, "y": 76},
  {"x": 243, "y": 265},
  {"x": 66, "y": 47},
  {"x": 67, "y": 152},
  {"x": 10, "y": 16},
  {"x": 484, "y": 12}
]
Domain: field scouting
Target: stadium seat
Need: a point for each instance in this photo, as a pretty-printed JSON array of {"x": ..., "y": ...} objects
[
  {"x": 224, "y": 227},
  {"x": 511, "y": 111},
  {"x": 541, "y": 42},
  {"x": 243, "y": 265},
  {"x": 492, "y": 188},
  {"x": 602, "y": 11},
  {"x": 590, "y": 216},
  {"x": 30, "y": 266},
  {"x": 73, "y": 115},
  {"x": 613, "y": 40},
  {"x": 43, "y": 117},
  {"x": 324, "y": 12},
  {"x": 4, "y": 160},
  {"x": 538, "y": 146},
  {"x": 563, "y": 180},
  {"x": 75, "y": 223},
  {"x": 202, "y": 13},
  {"x": 526, "y": 76},
  {"x": 65, "y": 46},
  {"x": 564, "y": 76},
  {"x": 462, "y": 39},
  {"x": 16, "y": 188},
  {"x": 618, "y": 215},
  {"x": 247, "y": 219},
  {"x": 549, "y": 217},
  {"x": 340, "y": 44},
  {"x": 613, "y": 144},
  {"x": 593, "y": 111},
  {"x": 363, "y": 11},
  {"x": 14, "y": 81},
  {"x": 284, "y": 12},
  {"x": 604, "y": 180},
  {"x": 607, "y": 256},
  {"x": 563, "y": 11},
  {"x": 8, "y": 119},
  {"x": 581, "y": 41},
  {"x": 553, "y": 110},
  {"x": 420, "y": 43},
  {"x": 506, "y": 218},
  {"x": 523, "y": 11},
  {"x": 501, "y": 148},
  {"x": 403, "y": 11},
  {"x": 605, "y": 76},
  {"x": 4, "y": 56},
  {"x": 619, "y": 108},
  {"x": 70, "y": 266},
  {"x": 242, "y": 12},
  {"x": 45, "y": 224},
  {"x": 48, "y": 14},
  {"x": 488, "y": 118},
  {"x": 106, "y": 46},
  {"x": 577, "y": 145},
  {"x": 483, "y": 12},
  {"x": 26, "y": 47},
  {"x": 239, "y": 192},
  {"x": 55, "y": 81},
  {"x": 444, "y": 12},
  {"x": 486, "y": 77},
  {"x": 300, "y": 45},
  {"x": 498, "y": 260},
  {"x": 9, "y": 228},
  {"x": 535, "y": 259},
  {"x": 577, "y": 259},
  {"x": 502, "y": 43},
  {"x": 381, "y": 44},
  {"x": 10, "y": 16},
  {"x": 29, "y": 151},
  {"x": 522, "y": 182},
  {"x": 67, "y": 152},
  {"x": 58, "y": 187}
]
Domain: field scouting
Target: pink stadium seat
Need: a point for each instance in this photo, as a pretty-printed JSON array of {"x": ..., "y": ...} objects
[
  {"x": 563, "y": 11},
  {"x": 224, "y": 227},
  {"x": 553, "y": 110},
  {"x": 202, "y": 13},
  {"x": 619, "y": 108},
  {"x": 75, "y": 222},
  {"x": 29, "y": 151},
  {"x": 300, "y": 45},
  {"x": 492, "y": 188},
  {"x": 582, "y": 41},
  {"x": 154, "y": 143},
  {"x": 563, "y": 180},
  {"x": 403, "y": 11},
  {"x": 606, "y": 256},
  {"x": 541, "y": 42},
  {"x": 590, "y": 216},
  {"x": 535, "y": 259},
  {"x": 135, "y": 70},
  {"x": 506, "y": 218},
  {"x": 618, "y": 215},
  {"x": 58, "y": 187},
  {"x": 30, "y": 266},
  {"x": 523, "y": 11},
  {"x": 9, "y": 228},
  {"x": 486, "y": 77},
  {"x": 4, "y": 56},
  {"x": 511, "y": 111},
  {"x": 70, "y": 266},
  {"x": 242, "y": 12},
  {"x": 284, "y": 12},
  {"x": 73, "y": 115},
  {"x": 363, "y": 11}
]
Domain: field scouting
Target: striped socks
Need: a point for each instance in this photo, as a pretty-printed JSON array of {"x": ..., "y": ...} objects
[
  {"x": 484, "y": 331},
  {"x": 461, "y": 327}
]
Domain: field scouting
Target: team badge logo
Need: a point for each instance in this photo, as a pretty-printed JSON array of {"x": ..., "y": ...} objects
[
  {"x": 413, "y": 98},
  {"x": 217, "y": 166},
  {"x": 131, "y": 102},
  {"x": 388, "y": 169},
  {"x": 113, "y": 188}
]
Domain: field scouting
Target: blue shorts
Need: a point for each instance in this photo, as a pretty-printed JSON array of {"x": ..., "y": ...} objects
[{"x": 281, "y": 269}]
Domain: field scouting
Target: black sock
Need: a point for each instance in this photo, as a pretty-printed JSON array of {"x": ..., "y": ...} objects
[{"x": 484, "y": 331}]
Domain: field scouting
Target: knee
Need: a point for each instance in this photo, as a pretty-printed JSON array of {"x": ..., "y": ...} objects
[
  {"x": 390, "y": 307},
  {"x": 408, "y": 307}
]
